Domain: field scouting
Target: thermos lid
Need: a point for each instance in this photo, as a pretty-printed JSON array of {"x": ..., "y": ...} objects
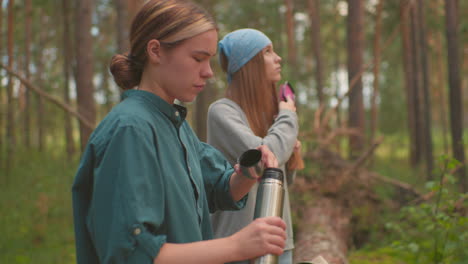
[
  {"x": 273, "y": 173},
  {"x": 250, "y": 157}
]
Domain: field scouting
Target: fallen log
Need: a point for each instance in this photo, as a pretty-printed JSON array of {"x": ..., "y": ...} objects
[
  {"x": 323, "y": 231},
  {"x": 323, "y": 203}
]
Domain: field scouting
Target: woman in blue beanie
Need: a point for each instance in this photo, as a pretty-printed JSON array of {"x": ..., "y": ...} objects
[{"x": 251, "y": 115}]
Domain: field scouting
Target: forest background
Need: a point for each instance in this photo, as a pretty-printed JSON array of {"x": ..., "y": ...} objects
[{"x": 381, "y": 95}]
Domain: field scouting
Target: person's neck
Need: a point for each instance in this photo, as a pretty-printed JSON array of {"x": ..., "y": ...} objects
[{"x": 150, "y": 84}]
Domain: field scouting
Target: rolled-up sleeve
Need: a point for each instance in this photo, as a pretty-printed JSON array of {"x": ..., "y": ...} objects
[
  {"x": 217, "y": 173},
  {"x": 127, "y": 208}
]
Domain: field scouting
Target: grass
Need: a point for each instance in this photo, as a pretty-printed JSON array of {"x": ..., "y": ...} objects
[
  {"x": 381, "y": 256},
  {"x": 35, "y": 201}
]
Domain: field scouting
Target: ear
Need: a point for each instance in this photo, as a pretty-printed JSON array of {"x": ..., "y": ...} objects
[{"x": 153, "y": 49}]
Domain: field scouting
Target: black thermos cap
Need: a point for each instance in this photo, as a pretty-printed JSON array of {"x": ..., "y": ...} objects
[{"x": 273, "y": 173}]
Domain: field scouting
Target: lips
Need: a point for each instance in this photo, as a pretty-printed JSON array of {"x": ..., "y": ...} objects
[{"x": 200, "y": 86}]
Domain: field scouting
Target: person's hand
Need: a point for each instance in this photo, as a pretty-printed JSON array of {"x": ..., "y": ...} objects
[
  {"x": 266, "y": 235},
  {"x": 297, "y": 146},
  {"x": 289, "y": 104},
  {"x": 268, "y": 158}
]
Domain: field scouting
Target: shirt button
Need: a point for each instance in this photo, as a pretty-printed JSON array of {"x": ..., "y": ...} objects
[
  {"x": 137, "y": 231},
  {"x": 177, "y": 113}
]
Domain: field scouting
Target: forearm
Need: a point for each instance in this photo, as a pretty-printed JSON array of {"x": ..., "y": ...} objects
[
  {"x": 282, "y": 136},
  {"x": 204, "y": 252},
  {"x": 240, "y": 186}
]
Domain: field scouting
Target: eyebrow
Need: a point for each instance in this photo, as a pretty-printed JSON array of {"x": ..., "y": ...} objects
[{"x": 203, "y": 52}]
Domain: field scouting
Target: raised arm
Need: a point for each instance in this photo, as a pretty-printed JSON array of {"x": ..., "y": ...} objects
[{"x": 229, "y": 131}]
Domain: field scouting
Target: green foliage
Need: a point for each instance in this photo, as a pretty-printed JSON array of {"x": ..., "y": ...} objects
[
  {"x": 435, "y": 231},
  {"x": 35, "y": 201},
  {"x": 386, "y": 255}
]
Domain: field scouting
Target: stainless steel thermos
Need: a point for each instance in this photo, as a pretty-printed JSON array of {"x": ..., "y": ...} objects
[
  {"x": 270, "y": 192},
  {"x": 270, "y": 199}
]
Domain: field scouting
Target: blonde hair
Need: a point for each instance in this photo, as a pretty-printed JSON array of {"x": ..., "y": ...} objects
[
  {"x": 169, "y": 21},
  {"x": 255, "y": 95}
]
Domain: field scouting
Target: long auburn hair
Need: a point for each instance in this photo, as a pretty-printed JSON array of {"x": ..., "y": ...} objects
[
  {"x": 256, "y": 96},
  {"x": 258, "y": 99}
]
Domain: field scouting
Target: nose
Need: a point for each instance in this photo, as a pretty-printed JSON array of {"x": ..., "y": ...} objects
[
  {"x": 207, "y": 72},
  {"x": 278, "y": 58}
]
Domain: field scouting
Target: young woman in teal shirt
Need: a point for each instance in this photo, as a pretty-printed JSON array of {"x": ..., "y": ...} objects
[{"x": 145, "y": 185}]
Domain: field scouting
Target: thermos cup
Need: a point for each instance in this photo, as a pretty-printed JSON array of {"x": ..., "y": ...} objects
[
  {"x": 250, "y": 163},
  {"x": 270, "y": 199}
]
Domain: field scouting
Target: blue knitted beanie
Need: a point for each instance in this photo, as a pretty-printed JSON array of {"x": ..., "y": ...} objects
[{"x": 240, "y": 47}]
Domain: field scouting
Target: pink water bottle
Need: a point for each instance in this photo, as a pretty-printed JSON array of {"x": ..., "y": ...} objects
[{"x": 286, "y": 90}]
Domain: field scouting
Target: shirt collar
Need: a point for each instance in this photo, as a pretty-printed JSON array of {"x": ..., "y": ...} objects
[{"x": 175, "y": 113}]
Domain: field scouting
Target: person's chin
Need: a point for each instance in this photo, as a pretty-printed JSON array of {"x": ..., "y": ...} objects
[{"x": 191, "y": 99}]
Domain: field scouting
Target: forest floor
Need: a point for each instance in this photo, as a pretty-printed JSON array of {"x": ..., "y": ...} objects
[{"x": 37, "y": 225}]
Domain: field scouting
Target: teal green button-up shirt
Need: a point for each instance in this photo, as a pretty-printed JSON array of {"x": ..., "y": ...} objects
[{"x": 145, "y": 179}]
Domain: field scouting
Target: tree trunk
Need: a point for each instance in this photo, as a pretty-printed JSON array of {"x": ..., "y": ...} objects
[
  {"x": 314, "y": 15},
  {"x": 84, "y": 69},
  {"x": 455, "y": 92},
  {"x": 2, "y": 103},
  {"x": 417, "y": 89},
  {"x": 27, "y": 60},
  {"x": 375, "y": 91},
  {"x": 67, "y": 47},
  {"x": 133, "y": 7},
  {"x": 440, "y": 91},
  {"x": 11, "y": 139},
  {"x": 205, "y": 98},
  {"x": 426, "y": 134},
  {"x": 355, "y": 38},
  {"x": 337, "y": 68},
  {"x": 292, "y": 57},
  {"x": 106, "y": 87},
  {"x": 408, "y": 59},
  {"x": 122, "y": 24},
  {"x": 40, "y": 80}
]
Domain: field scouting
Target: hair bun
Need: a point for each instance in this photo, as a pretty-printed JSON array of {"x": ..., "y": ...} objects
[{"x": 127, "y": 74}]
